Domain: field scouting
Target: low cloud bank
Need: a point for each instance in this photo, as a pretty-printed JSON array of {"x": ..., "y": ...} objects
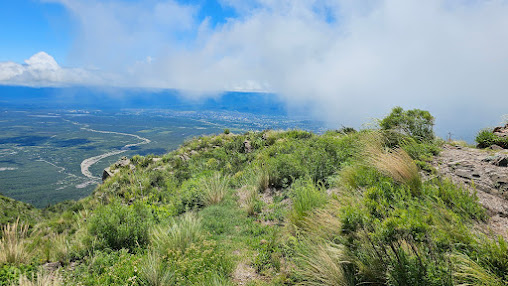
[
  {"x": 41, "y": 69},
  {"x": 342, "y": 60}
]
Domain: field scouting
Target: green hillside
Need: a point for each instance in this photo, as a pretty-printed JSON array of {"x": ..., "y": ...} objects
[{"x": 266, "y": 208}]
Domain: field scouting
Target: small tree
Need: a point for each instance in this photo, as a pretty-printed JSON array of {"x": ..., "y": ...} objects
[{"x": 415, "y": 122}]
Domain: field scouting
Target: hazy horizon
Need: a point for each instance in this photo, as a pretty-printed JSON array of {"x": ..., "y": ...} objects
[{"x": 338, "y": 61}]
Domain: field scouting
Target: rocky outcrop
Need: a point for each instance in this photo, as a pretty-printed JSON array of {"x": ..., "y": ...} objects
[
  {"x": 247, "y": 148},
  {"x": 483, "y": 172},
  {"x": 500, "y": 160},
  {"x": 501, "y": 131},
  {"x": 115, "y": 168}
]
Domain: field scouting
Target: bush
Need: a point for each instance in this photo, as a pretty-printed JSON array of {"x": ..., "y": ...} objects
[
  {"x": 487, "y": 138},
  {"x": 200, "y": 262},
  {"x": 106, "y": 268},
  {"x": 120, "y": 226},
  {"x": 415, "y": 123}
]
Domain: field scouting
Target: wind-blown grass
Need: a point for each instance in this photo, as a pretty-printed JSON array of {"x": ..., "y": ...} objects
[
  {"x": 14, "y": 248},
  {"x": 321, "y": 263},
  {"x": 469, "y": 273},
  {"x": 394, "y": 163}
]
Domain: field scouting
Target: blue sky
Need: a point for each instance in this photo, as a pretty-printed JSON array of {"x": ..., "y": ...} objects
[
  {"x": 30, "y": 26},
  {"x": 447, "y": 56}
]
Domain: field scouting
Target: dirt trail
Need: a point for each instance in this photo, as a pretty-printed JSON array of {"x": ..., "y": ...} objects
[{"x": 467, "y": 166}]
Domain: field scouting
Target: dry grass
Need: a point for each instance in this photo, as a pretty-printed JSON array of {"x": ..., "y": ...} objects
[
  {"x": 323, "y": 223},
  {"x": 468, "y": 273},
  {"x": 41, "y": 279},
  {"x": 320, "y": 263},
  {"x": 14, "y": 247},
  {"x": 394, "y": 163},
  {"x": 216, "y": 188}
]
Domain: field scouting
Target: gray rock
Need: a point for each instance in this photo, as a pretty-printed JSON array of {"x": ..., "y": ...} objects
[
  {"x": 123, "y": 162},
  {"x": 501, "y": 161},
  {"x": 107, "y": 173},
  {"x": 467, "y": 174},
  {"x": 496, "y": 147},
  {"x": 497, "y": 160},
  {"x": 247, "y": 148},
  {"x": 499, "y": 179},
  {"x": 184, "y": 157}
]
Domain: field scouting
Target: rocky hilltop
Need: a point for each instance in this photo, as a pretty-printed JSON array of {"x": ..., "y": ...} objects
[{"x": 484, "y": 172}]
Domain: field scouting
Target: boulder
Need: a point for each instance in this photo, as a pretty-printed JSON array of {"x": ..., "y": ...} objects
[
  {"x": 499, "y": 160},
  {"x": 247, "y": 148},
  {"x": 110, "y": 172},
  {"x": 123, "y": 162},
  {"x": 496, "y": 147},
  {"x": 107, "y": 173}
]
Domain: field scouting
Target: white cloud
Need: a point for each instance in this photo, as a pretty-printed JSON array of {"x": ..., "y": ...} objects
[
  {"x": 42, "y": 70},
  {"x": 341, "y": 59}
]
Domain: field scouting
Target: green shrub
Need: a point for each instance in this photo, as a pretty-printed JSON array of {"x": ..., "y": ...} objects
[
  {"x": 200, "y": 262},
  {"x": 487, "y": 138},
  {"x": 268, "y": 255},
  {"x": 10, "y": 274},
  {"x": 416, "y": 123},
  {"x": 106, "y": 268},
  {"x": 120, "y": 226}
]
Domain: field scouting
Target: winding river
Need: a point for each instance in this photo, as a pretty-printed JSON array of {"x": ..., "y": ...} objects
[{"x": 87, "y": 163}]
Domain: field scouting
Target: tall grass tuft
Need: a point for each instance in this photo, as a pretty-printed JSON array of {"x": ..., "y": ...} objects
[
  {"x": 263, "y": 179},
  {"x": 394, "y": 163},
  {"x": 216, "y": 188},
  {"x": 154, "y": 271},
  {"x": 323, "y": 223},
  {"x": 42, "y": 278},
  {"x": 469, "y": 273},
  {"x": 321, "y": 263},
  {"x": 307, "y": 197},
  {"x": 252, "y": 204},
  {"x": 14, "y": 247},
  {"x": 178, "y": 235}
]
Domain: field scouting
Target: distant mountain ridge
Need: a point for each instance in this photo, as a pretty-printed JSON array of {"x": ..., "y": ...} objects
[{"x": 119, "y": 98}]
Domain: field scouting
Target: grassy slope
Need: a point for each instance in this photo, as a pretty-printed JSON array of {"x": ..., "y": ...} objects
[{"x": 299, "y": 208}]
